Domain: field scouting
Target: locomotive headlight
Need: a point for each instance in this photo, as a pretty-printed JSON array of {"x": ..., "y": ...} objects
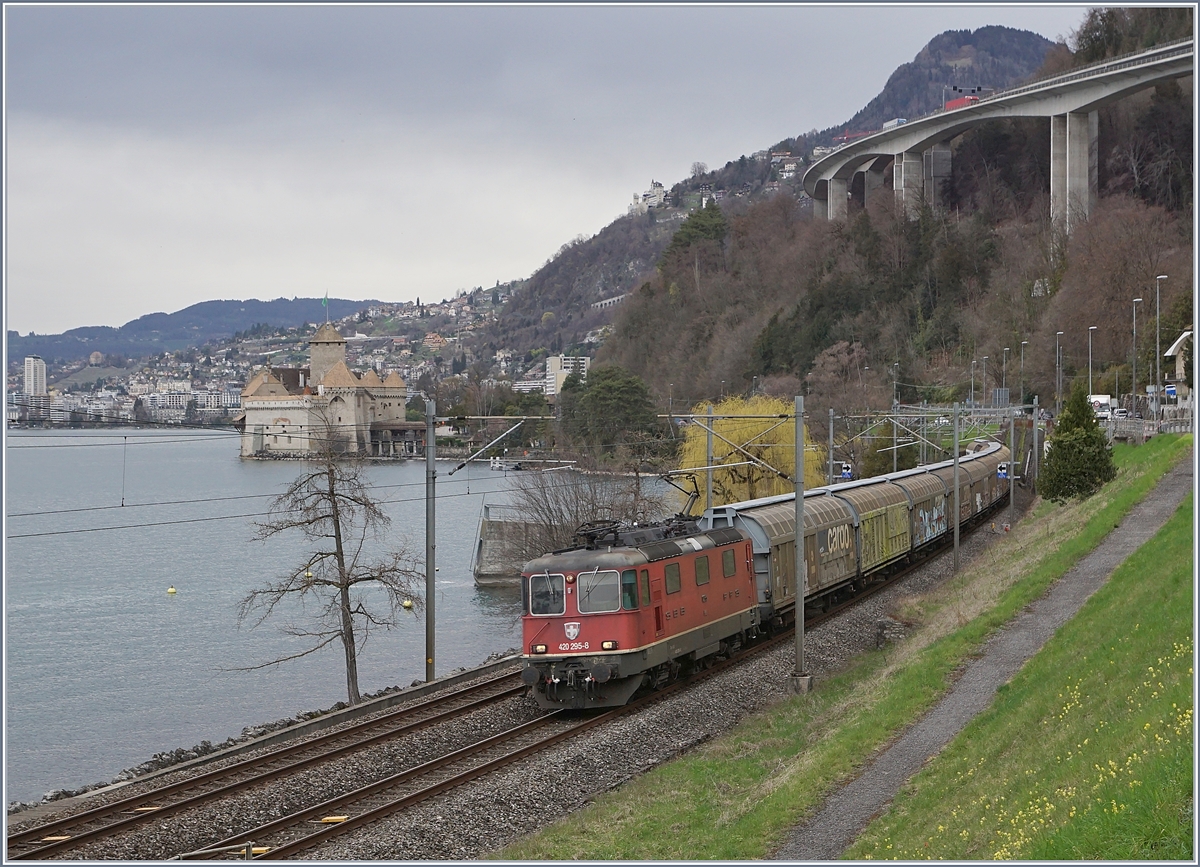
[
  {"x": 608, "y": 645},
  {"x": 538, "y": 648}
]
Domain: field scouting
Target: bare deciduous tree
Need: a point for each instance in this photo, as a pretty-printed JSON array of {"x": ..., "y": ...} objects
[
  {"x": 331, "y": 505},
  {"x": 554, "y": 504}
]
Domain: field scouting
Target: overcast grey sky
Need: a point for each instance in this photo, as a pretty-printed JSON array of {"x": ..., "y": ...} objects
[{"x": 158, "y": 156}]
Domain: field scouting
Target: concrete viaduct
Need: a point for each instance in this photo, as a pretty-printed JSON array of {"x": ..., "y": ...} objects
[{"x": 919, "y": 150}]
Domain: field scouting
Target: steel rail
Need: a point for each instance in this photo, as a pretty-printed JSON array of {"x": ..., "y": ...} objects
[{"x": 321, "y": 749}]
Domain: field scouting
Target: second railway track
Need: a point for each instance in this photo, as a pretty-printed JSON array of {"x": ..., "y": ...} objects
[
  {"x": 378, "y": 797},
  {"x": 56, "y": 838}
]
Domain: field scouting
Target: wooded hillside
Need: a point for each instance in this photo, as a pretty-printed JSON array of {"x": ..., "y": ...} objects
[{"x": 781, "y": 299}]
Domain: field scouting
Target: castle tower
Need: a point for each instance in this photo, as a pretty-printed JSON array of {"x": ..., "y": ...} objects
[{"x": 326, "y": 349}]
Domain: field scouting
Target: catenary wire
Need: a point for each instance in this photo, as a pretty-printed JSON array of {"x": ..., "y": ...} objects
[{"x": 218, "y": 517}]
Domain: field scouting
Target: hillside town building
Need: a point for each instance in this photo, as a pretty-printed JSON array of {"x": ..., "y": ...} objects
[
  {"x": 290, "y": 411},
  {"x": 35, "y": 375}
]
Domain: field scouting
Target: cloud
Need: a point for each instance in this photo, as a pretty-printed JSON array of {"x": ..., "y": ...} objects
[
  {"x": 163, "y": 155},
  {"x": 152, "y": 220}
]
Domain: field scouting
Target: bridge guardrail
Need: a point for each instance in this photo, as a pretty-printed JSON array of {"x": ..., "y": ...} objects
[{"x": 1110, "y": 65}]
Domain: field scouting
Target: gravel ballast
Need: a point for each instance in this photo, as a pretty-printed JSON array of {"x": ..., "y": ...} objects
[{"x": 483, "y": 816}]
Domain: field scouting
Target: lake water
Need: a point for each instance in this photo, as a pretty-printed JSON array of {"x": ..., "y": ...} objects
[{"x": 103, "y": 668}]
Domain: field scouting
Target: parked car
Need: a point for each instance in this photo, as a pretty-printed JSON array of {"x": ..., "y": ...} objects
[{"x": 1121, "y": 413}]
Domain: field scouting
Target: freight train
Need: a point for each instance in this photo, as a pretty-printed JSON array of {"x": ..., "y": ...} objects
[{"x": 632, "y": 608}]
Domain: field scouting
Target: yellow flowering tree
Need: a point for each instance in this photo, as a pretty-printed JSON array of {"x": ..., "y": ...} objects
[{"x": 769, "y": 439}]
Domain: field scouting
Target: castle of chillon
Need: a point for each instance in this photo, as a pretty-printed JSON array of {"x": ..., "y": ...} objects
[{"x": 291, "y": 411}]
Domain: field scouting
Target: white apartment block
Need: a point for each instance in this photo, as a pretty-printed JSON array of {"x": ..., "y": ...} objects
[
  {"x": 35, "y": 375},
  {"x": 559, "y": 367}
]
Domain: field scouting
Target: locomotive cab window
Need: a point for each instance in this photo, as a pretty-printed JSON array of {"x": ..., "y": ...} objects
[
  {"x": 599, "y": 592},
  {"x": 671, "y": 577},
  {"x": 701, "y": 570},
  {"x": 728, "y": 563},
  {"x": 645, "y": 588},
  {"x": 546, "y": 594},
  {"x": 629, "y": 590}
]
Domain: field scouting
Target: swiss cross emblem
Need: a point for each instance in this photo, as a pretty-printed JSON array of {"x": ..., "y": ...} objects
[{"x": 572, "y": 630}]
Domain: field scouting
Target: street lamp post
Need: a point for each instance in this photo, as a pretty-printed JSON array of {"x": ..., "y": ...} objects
[
  {"x": 1091, "y": 328},
  {"x": 972, "y": 403},
  {"x": 1133, "y": 411},
  {"x": 983, "y": 377},
  {"x": 1157, "y": 347},
  {"x": 1004, "y": 369},
  {"x": 1022, "y": 395},
  {"x": 1057, "y": 375}
]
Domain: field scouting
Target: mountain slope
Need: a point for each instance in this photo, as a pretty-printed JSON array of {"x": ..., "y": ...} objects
[
  {"x": 623, "y": 255},
  {"x": 990, "y": 57},
  {"x": 192, "y": 326}
]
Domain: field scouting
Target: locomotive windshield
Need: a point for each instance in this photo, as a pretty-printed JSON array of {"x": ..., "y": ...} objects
[
  {"x": 546, "y": 594},
  {"x": 599, "y": 592}
]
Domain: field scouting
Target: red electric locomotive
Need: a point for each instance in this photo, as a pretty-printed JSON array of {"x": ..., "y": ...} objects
[{"x": 633, "y": 607}]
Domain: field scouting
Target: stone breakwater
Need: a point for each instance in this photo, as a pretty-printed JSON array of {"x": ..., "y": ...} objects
[{"x": 170, "y": 758}]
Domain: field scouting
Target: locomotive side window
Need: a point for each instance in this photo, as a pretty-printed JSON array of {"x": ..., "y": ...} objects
[
  {"x": 629, "y": 590},
  {"x": 599, "y": 592},
  {"x": 671, "y": 577},
  {"x": 728, "y": 563},
  {"x": 701, "y": 570},
  {"x": 546, "y": 594},
  {"x": 645, "y": 588}
]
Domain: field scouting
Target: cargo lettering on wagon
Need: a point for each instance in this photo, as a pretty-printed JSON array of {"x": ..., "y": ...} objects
[{"x": 839, "y": 541}]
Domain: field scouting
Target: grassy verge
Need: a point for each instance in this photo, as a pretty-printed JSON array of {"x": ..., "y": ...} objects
[
  {"x": 738, "y": 796},
  {"x": 1087, "y": 753}
]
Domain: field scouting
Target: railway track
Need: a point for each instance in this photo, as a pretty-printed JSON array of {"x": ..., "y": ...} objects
[
  {"x": 312, "y": 826},
  {"x": 54, "y": 839}
]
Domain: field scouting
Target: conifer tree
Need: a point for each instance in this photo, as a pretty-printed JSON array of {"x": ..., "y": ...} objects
[{"x": 1080, "y": 459}]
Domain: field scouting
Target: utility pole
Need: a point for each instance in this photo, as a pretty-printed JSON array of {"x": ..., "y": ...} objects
[
  {"x": 831, "y": 445},
  {"x": 1057, "y": 376},
  {"x": 708, "y": 503},
  {"x": 1033, "y": 469},
  {"x": 954, "y": 519},
  {"x": 430, "y": 535},
  {"x": 1091, "y": 328},
  {"x": 895, "y": 409},
  {"x": 801, "y": 680},
  {"x": 1012, "y": 466},
  {"x": 1022, "y": 386},
  {"x": 1133, "y": 411},
  {"x": 1158, "y": 348}
]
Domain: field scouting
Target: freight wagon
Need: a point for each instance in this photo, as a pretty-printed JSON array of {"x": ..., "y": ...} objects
[{"x": 633, "y": 607}]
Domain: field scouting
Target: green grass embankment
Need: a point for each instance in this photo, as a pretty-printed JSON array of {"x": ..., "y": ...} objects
[
  {"x": 738, "y": 796},
  {"x": 1087, "y": 752}
]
